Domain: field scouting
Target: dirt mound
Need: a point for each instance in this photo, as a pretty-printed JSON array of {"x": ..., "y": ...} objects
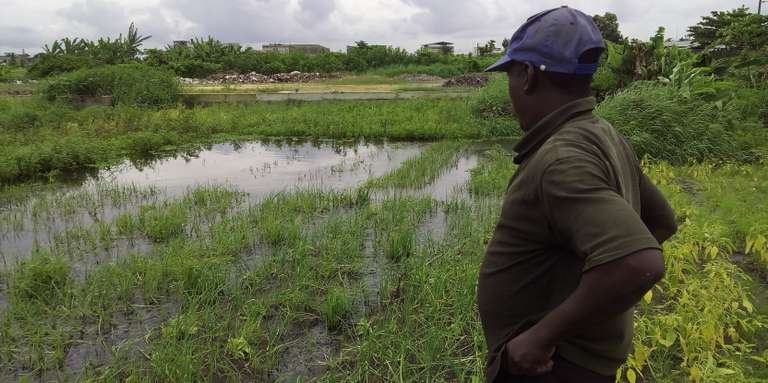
[
  {"x": 418, "y": 77},
  {"x": 258, "y": 78},
  {"x": 474, "y": 80}
]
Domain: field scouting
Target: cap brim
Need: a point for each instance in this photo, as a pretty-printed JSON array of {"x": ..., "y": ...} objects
[{"x": 499, "y": 66}]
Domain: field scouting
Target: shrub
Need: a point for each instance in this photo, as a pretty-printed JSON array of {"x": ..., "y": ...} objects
[
  {"x": 195, "y": 68},
  {"x": 659, "y": 121},
  {"x": 128, "y": 84},
  {"x": 48, "y": 65},
  {"x": 493, "y": 99}
]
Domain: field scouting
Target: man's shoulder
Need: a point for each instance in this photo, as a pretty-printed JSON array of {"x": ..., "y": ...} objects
[{"x": 576, "y": 139}]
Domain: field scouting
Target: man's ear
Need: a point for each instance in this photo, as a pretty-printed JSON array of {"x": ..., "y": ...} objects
[{"x": 531, "y": 80}]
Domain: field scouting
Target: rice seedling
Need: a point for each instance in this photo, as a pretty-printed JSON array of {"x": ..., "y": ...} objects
[{"x": 422, "y": 170}]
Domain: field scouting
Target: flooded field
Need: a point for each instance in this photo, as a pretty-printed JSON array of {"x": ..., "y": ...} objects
[
  {"x": 125, "y": 251},
  {"x": 317, "y": 261},
  {"x": 257, "y": 169}
]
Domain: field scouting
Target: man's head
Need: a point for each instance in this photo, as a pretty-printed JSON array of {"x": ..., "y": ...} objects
[{"x": 550, "y": 61}]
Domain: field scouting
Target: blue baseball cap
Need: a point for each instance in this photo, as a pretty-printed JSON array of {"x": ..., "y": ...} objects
[{"x": 553, "y": 41}]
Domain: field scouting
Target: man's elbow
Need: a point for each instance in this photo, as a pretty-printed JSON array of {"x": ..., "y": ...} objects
[
  {"x": 664, "y": 229},
  {"x": 648, "y": 266}
]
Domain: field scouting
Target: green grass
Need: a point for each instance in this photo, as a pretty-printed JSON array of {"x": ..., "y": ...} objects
[
  {"x": 49, "y": 141},
  {"x": 421, "y": 170},
  {"x": 240, "y": 289},
  {"x": 492, "y": 174}
]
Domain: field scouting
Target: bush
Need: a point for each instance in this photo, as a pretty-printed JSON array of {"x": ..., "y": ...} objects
[
  {"x": 493, "y": 99},
  {"x": 195, "y": 68},
  {"x": 128, "y": 84},
  {"x": 48, "y": 65},
  {"x": 659, "y": 121}
]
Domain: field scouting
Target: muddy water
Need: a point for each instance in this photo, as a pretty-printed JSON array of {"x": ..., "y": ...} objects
[
  {"x": 257, "y": 168},
  {"x": 260, "y": 168}
]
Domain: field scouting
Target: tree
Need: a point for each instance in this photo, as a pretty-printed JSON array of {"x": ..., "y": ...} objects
[
  {"x": 505, "y": 43},
  {"x": 747, "y": 33},
  {"x": 609, "y": 27},
  {"x": 705, "y": 33},
  {"x": 486, "y": 49}
]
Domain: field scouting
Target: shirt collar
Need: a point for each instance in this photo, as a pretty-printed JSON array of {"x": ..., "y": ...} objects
[{"x": 540, "y": 133}]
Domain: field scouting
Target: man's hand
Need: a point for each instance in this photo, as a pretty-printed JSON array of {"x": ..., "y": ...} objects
[{"x": 525, "y": 355}]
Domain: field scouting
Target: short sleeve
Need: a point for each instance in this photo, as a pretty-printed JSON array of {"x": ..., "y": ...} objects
[{"x": 587, "y": 213}]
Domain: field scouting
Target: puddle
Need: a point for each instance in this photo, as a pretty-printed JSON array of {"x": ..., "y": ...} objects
[
  {"x": 433, "y": 228},
  {"x": 304, "y": 357},
  {"x": 124, "y": 338},
  {"x": 454, "y": 180},
  {"x": 262, "y": 168}
]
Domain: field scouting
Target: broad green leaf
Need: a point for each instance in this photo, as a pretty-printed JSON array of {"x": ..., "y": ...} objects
[{"x": 631, "y": 376}]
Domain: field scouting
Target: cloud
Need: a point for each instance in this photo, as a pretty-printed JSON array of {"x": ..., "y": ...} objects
[
  {"x": 19, "y": 37},
  {"x": 312, "y": 12},
  {"x": 335, "y": 23}
]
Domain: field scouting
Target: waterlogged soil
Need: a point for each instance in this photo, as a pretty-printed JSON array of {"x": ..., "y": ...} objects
[
  {"x": 258, "y": 169},
  {"x": 304, "y": 356},
  {"x": 124, "y": 337}
]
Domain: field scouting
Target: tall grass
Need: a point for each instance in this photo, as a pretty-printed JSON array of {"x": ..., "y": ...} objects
[{"x": 659, "y": 121}]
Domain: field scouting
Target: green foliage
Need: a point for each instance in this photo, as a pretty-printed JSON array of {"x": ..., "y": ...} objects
[
  {"x": 12, "y": 73},
  {"x": 672, "y": 124},
  {"x": 609, "y": 27},
  {"x": 128, "y": 84},
  {"x": 745, "y": 33},
  {"x": 50, "y": 64},
  {"x": 162, "y": 223},
  {"x": 491, "y": 176},
  {"x": 487, "y": 48},
  {"x": 336, "y": 308},
  {"x": 200, "y": 58},
  {"x": 493, "y": 99},
  {"x": 67, "y": 55},
  {"x": 705, "y": 33},
  {"x": 493, "y": 106},
  {"x": 41, "y": 278}
]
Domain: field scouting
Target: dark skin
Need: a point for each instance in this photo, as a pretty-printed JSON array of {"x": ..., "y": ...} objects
[{"x": 604, "y": 291}]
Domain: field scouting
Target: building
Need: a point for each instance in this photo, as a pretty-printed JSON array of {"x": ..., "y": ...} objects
[
  {"x": 683, "y": 44},
  {"x": 310, "y": 49},
  {"x": 444, "y": 47},
  {"x": 181, "y": 43},
  {"x": 11, "y": 58}
]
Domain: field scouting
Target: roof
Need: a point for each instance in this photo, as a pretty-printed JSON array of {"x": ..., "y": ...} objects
[
  {"x": 440, "y": 43},
  {"x": 686, "y": 44}
]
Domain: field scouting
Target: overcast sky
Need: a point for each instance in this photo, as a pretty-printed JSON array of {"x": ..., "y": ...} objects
[{"x": 29, "y": 24}]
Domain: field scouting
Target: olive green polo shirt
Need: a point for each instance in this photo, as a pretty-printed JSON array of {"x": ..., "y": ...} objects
[{"x": 573, "y": 204}]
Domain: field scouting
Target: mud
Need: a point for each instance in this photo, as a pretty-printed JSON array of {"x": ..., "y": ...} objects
[
  {"x": 124, "y": 337},
  {"x": 304, "y": 356}
]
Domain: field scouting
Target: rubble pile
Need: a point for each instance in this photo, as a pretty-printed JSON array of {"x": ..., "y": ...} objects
[
  {"x": 418, "y": 77},
  {"x": 474, "y": 80},
  {"x": 258, "y": 78}
]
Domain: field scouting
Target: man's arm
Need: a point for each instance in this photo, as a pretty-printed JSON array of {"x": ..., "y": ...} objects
[
  {"x": 622, "y": 256},
  {"x": 605, "y": 291},
  {"x": 655, "y": 211}
]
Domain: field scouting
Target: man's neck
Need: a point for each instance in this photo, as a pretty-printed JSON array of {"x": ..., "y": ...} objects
[{"x": 544, "y": 107}]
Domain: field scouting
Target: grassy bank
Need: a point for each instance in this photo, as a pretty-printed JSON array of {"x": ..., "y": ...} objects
[{"x": 44, "y": 139}]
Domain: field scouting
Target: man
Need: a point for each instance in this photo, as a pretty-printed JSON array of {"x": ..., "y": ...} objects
[{"x": 578, "y": 241}]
